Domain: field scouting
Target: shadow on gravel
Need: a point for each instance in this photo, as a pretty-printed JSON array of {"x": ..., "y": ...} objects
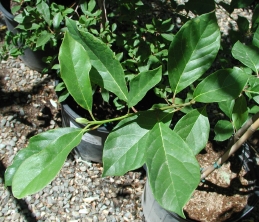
[
  {"x": 22, "y": 206},
  {"x": 19, "y": 97}
]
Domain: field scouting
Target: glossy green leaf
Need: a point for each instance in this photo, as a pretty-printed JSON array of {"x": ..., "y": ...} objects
[
  {"x": 223, "y": 130},
  {"x": 74, "y": 68},
  {"x": 254, "y": 109},
  {"x": 63, "y": 96},
  {"x": 223, "y": 85},
  {"x": 36, "y": 144},
  {"x": 248, "y": 55},
  {"x": 125, "y": 147},
  {"x": 168, "y": 36},
  {"x": 256, "y": 99},
  {"x": 173, "y": 170},
  {"x": 43, "y": 38},
  {"x": 91, "y": 5},
  {"x": 43, "y": 9},
  {"x": 194, "y": 129},
  {"x": 256, "y": 38},
  {"x": 142, "y": 83},
  {"x": 103, "y": 59},
  {"x": 193, "y": 50},
  {"x": 240, "y": 112},
  {"x": 15, "y": 8},
  {"x": 254, "y": 85},
  {"x": 60, "y": 86},
  {"x": 253, "y": 90},
  {"x": 67, "y": 11},
  {"x": 57, "y": 20},
  {"x": 227, "y": 107},
  {"x": 43, "y": 158}
]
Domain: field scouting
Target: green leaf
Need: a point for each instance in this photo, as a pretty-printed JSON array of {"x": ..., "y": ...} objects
[
  {"x": 240, "y": 112},
  {"x": 223, "y": 130},
  {"x": 105, "y": 95},
  {"x": 254, "y": 109},
  {"x": 194, "y": 129},
  {"x": 19, "y": 18},
  {"x": 143, "y": 82},
  {"x": 256, "y": 99},
  {"x": 254, "y": 85},
  {"x": 223, "y": 85},
  {"x": 185, "y": 109},
  {"x": 256, "y": 38},
  {"x": 243, "y": 24},
  {"x": 15, "y": 8},
  {"x": 248, "y": 55},
  {"x": 74, "y": 68},
  {"x": 43, "y": 9},
  {"x": 63, "y": 96},
  {"x": 67, "y": 11},
  {"x": 193, "y": 50},
  {"x": 227, "y": 107},
  {"x": 125, "y": 147},
  {"x": 91, "y": 5},
  {"x": 103, "y": 59},
  {"x": 57, "y": 20},
  {"x": 60, "y": 86},
  {"x": 255, "y": 18},
  {"x": 43, "y": 38},
  {"x": 173, "y": 170},
  {"x": 169, "y": 37},
  {"x": 41, "y": 160},
  {"x": 200, "y": 6}
]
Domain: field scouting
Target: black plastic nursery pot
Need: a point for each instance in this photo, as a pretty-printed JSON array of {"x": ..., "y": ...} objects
[
  {"x": 33, "y": 59},
  {"x": 91, "y": 146},
  {"x": 154, "y": 212}
]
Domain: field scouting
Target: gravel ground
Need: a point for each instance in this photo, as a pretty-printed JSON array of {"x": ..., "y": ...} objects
[{"x": 28, "y": 105}]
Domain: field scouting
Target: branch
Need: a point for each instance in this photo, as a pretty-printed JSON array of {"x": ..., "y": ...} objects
[
  {"x": 242, "y": 135},
  {"x": 101, "y": 4}
]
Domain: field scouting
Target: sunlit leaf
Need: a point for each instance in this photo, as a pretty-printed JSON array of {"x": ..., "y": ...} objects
[
  {"x": 193, "y": 50},
  {"x": 171, "y": 181},
  {"x": 194, "y": 129},
  {"x": 248, "y": 55},
  {"x": 74, "y": 68},
  {"x": 103, "y": 60},
  {"x": 223, "y": 130},
  {"x": 143, "y": 82},
  {"x": 223, "y": 85},
  {"x": 227, "y": 107},
  {"x": 43, "y": 158},
  {"x": 125, "y": 146}
]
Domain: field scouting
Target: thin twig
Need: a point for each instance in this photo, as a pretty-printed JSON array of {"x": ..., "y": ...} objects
[{"x": 101, "y": 4}]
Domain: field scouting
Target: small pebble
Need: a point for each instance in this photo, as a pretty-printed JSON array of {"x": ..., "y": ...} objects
[
  {"x": 3, "y": 122},
  {"x": 2, "y": 146}
]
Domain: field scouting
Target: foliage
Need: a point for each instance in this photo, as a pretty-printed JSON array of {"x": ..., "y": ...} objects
[
  {"x": 172, "y": 66},
  {"x": 40, "y": 27}
]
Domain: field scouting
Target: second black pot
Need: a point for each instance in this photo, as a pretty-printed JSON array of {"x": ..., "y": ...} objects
[{"x": 154, "y": 212}]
